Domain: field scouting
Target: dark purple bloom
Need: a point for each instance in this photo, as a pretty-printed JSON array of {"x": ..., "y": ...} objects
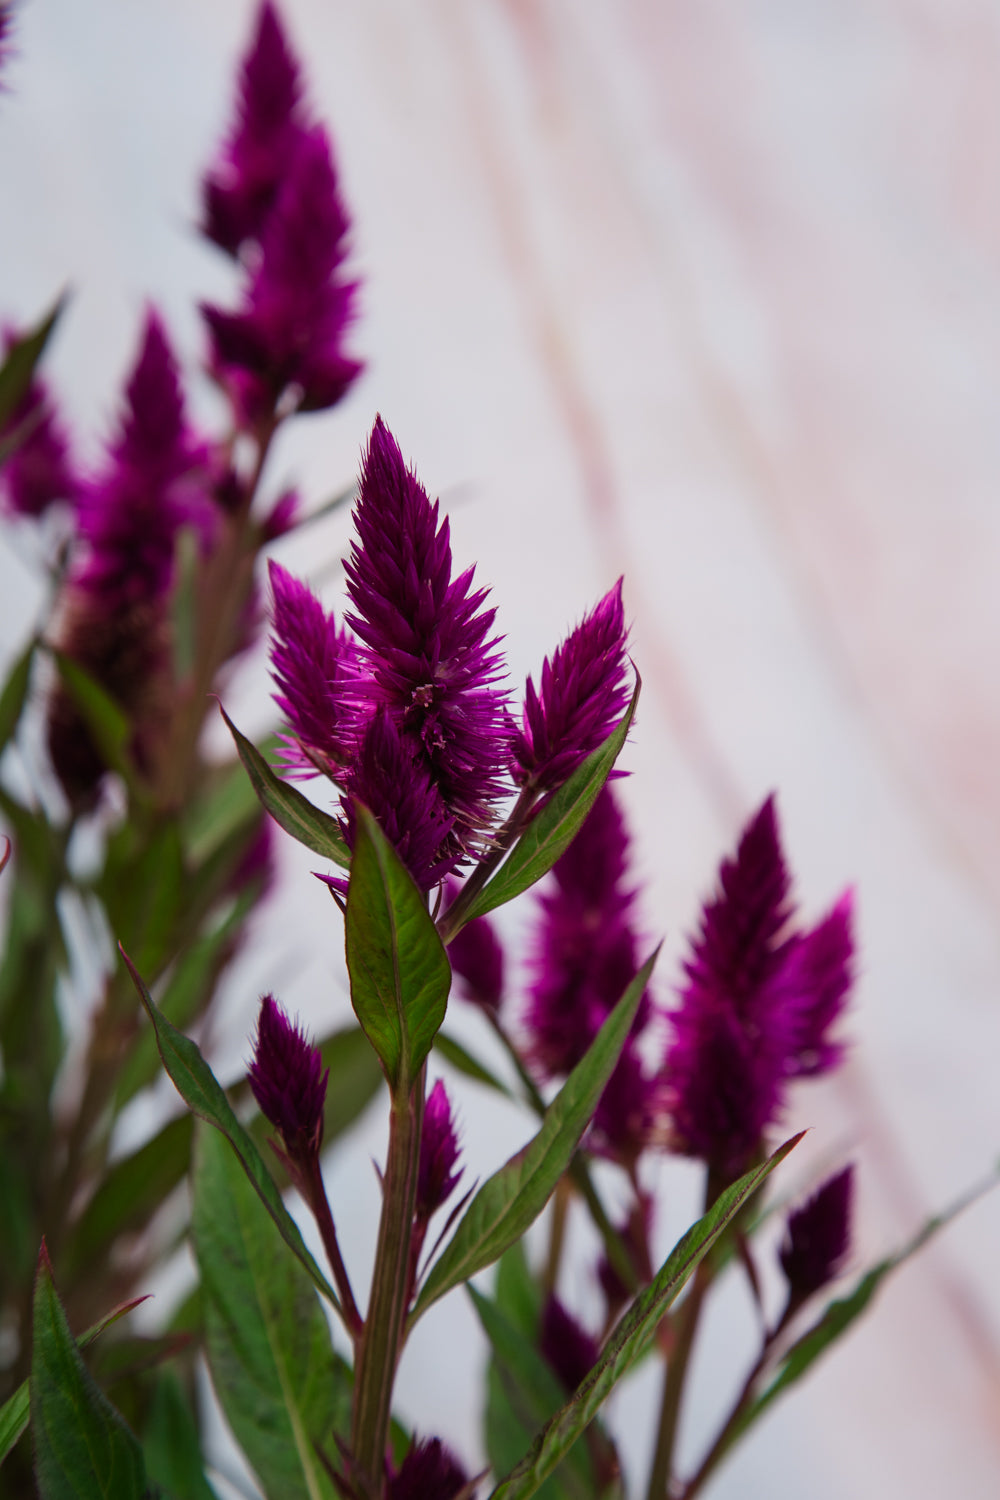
[
  {"x": 239, "y": 191},
  {"x": 287, "y": 339},
  {"x": 756, "y": 1005},
  {"x": 428, "y": 1472},
  {"x": 583, "y": 695},
  {"x": 432, "y": 662},
  {"x": 631, "y": 1111},
  {"x": 37, "y": 470},
  {"x": 395, "y": 785},
  {"x": 818, "y": 1237},
  {"x": 477, "y": 962},
  {"x": 568, "y": 1348},
  {"x": 436, "y": 1174},
  {"x": 313, "y": 662},
  {"x": 288, "y": 1081},
  {"x": 585, "y": 953}
]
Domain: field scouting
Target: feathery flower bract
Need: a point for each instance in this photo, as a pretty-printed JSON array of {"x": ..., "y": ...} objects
[
  {"x": 288, "y": 1081},
  {"x": 313, "y": 662},
  {"x": 239, "y": 190},
  {"x": 436, "y": 1174},
  {"x": 818, "y": 1237},
  {"x": 583, "y": 695},
  {"x": 426, "y": 641}
]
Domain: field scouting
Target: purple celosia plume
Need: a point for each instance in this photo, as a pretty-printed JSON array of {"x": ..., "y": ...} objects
[
  {"x": 313, "y": 662},
  {"x": 583, "y": 694},
  {"x": 286, "y": 341},
  {"x": 240, "y": 189},
  {"x": 430, "y": 1471},
  {"x": 477, "y": 961},
  {"x": 436, "y": 1174},
  {"x": 566, "y": 1345},
  {"x": 288, "y": 1082},
  {"x": 757, "y": 1005},
  {"x": 37, "y": 470},
  {"x": 818, "y": 1237},
  {"x": 431, "y": 660}
]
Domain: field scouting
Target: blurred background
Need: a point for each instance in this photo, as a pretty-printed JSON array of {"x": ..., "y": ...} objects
[{"x": 707, "y": 294}]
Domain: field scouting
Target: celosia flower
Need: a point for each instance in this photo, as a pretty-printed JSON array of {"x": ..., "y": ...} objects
[
  {"x": 583, "y": 695},
  {"x": 288, "y": 1081},
  {"x": 287, "y": 339},
  {"x": 427, "y": 644},
  {"x": 313, "y": 661},
  {"x": 37, "y": 470},
  {"x": 239, "y": 191},
  {"x": 818, "y": 1237},
  {"x": 585, "y": 951},
  {"x": 436, "y": 1174},
  {"x": 569, "y": 1348},
  {"x": 430, "y": 1471},
  {"x": 756, "y": 1007},
  {"x": 477, "y": 961}
]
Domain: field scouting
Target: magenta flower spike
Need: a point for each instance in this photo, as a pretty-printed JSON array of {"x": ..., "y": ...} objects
[
  {"x": 583, "y": 695},
  {"x": 430, "y": 1471},
  {"x": 567, "y": 1346},
  {"x": 314, "y": 663},
  {"x": 38, "y": 471},
  {"x": 756, "y": 1006},
  {"x": 818, "y": 1237},
  {"x": 240, "y": 189},
  {"x": 286, "y": 342},
  {"x": 436, "y": 1174},
  {"x": 432, "y": 663},
  {"x": 288, "y": 1082}
]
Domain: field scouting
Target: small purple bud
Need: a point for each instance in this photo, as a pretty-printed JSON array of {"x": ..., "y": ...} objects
[
  {"x": 436, "y": 1175},
  {"x": 428, "y": 1472},
  {"x": 583, "y": 695},
  {"x": 818, "y": 1237},
  {"x": 569, "y": 1349},
  {"x": 287, "y": 1081},
  {"x": 477, "y": 961}
]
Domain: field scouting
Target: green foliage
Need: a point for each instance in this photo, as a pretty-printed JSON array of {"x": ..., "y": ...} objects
[
  {"x": 512, "y": 1199},
  {"x": 463, "y": 1062},
  {"x": 283, "y": 1389},
  {"x": 287, "y": 806},
  {"x": 400, "y": 976},
  {"x": 18, "y": 368},
  {"x": 171, "y": 1444}
]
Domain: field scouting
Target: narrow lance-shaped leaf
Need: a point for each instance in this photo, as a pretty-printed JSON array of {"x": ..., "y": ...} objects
[
  {"x": 553, "y": 828},
  {"x": 399, "y": 971},
  {"x": 513, "y": 1198},
  {"x": 22, "y": 358},
  {"x": 16, "y": 1410},
  {"x": 15, "y": 694},
  {"x": 633, "y": 1334},
  {"x": 202, "y": 1093},
  {"x": 268, "y": 1341},
  {"x": 287, "y": 806},
  {"x": 83, "y": 1449},
  {"x": 462, "y": 1060}
]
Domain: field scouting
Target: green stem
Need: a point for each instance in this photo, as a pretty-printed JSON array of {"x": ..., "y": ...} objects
[
  {"x": 454, "y": 917},
  {"x": 382, "y": 1338},
  {"x": 685, "y": 1328}
]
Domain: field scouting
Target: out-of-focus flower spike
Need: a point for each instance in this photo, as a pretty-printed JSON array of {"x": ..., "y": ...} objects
[
  {"x": 818, "y": 1237},
  {"x": 634, "y": 1234},
  {"x": 817, "y": 977},
  {"x": 430, "y": 1471},
  {"x": 436, "y": 1174},
  {"x": 6, "y": 29},
  {"x": 583, "y": 694},
  {"x": 38, "y": 470},
  {"x": 566, "y": 1345},
  {"x": 239, "y": 190},
  {"x": 314, "y": 663},
  {"x": 288, "y": 1082},
  {"x": 477, "y": 961}
]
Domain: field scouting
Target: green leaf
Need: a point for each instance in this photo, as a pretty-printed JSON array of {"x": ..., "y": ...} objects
[
  {"x": 399, "y": 971},
  {"x": 355, "y": 1079},
  {"x": 631, "y": 1337},
  {"x": 171, "y": 1444},
  {"x": 226, "y": 804},
  {"x": 268, "y": 1340},
  {"x": 533, "y": 1390},
  {"x": 83, "y": 1449},
  {"x": 131, "y": 1192},
  {"x": 184, "y": 604},
  {"x": 287, "y": 806},
  {"x": 554, "y": 827},
  {"x": 15, "y": 694},
  {"x": 202, "y": 1093},
  {"x": 143, "y": 886},
  {"x": 513, "y": 1198},
  {"x": 463, "y": 1062},
  {"x": 15, "y": 1412},
  {"x": 22, "y": 357}
]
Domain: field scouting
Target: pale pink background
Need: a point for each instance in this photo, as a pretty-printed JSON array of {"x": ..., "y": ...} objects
[{"x": 708, "y": 294}]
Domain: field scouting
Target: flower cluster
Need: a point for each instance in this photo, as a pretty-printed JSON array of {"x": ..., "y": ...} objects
[{"x": 273, "y": 197}]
